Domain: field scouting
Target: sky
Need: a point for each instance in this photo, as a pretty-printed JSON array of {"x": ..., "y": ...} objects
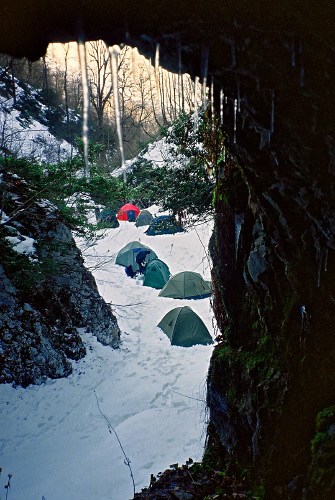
[{"x": 57, "y": 439}]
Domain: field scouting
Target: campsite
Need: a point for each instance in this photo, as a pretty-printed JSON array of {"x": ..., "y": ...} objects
[
  {"x": 153, "y": 393},
  {"x": 217, "y": 118}
]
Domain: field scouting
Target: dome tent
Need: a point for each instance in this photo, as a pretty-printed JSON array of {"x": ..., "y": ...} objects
[
  {"x": 128, "y": 212},
  {"x": 186, "y": 285},
  {"x": 156, "y": 274},
  {"x": 164, "y": 224},
  {"x": 127, "y": 255},
  {"x": 185, "y": 328},
  {"x": 144, "y": 218},
  {"x": 106, "y": 217}
]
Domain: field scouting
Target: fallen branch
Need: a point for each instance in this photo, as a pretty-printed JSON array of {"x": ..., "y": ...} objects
[
  {"x": 110, "y": 429},
  {"x": 189, "y": 397}
]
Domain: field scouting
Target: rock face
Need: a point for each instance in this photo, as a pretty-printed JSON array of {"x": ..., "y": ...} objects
[
  {"x": 273, "y": 245},
  {"x": 46, "y": 292}
]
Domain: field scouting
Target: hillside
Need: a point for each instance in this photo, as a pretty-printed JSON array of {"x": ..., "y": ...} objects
[{"x": 31, "y": 126}]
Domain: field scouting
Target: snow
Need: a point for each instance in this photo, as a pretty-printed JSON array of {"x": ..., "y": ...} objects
[
  {"x": 29, "y": 137},
  {"x": 157, "y": 153},
  {"x": 4, "y": 217},
  {"x": 55, "y": 441},
  {"x": 22, "y": 244}
]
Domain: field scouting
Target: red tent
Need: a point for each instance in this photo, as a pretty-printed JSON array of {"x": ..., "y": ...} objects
[{"x": 128, "y": 212}]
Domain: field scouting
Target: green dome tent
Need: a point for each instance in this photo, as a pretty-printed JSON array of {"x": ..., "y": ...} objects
[
  {"x": 186, "y": 285},
  {"x": 185, "y": 328},
  {"x": 127, "y": 255},
  {"x": 144, "y": 218},
  {"x": 156, "y": 274}
]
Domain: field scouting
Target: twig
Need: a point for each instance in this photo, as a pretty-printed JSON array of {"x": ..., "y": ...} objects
[
  {"x": 189, "y": 397},
  {"x": 7, "y": 486},
  {"x": 127, "y": 305},
  {"x": 110, "y": 429}
]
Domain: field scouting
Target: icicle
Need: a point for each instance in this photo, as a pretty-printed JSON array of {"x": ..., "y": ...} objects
[
  {"x": 195, "y": 115},
  {"x": 326, "y": 258},
  {"x": 157, "y": 62},
  {"x": 157, "y": 74},
  {"x": 235, "y": 110},
  {"x": 239, "y": 219},
  {"x": 233, "y": 54},
  {"x": 272, "y": 111},
  {"x": 238, "y": 96},
  {"x": 302, "y": 75},
  {"x": 84, "y": 80},
  {"x": 114, "y": 53},
  {"x": 180, "y": 80},
  {"x": 293, "y": 55},
  {"x": 319, "y": 265},
  {"x": 226, "y": 99},
  {"x": 302, "y": 70},
  {"x": 221, "y": 105},
  {"x": 212, "y": 102},
  {"x": 204, "y": 70}
]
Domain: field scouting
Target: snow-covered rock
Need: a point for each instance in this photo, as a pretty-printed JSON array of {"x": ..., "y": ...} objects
[{"x": 46, "y": 292}]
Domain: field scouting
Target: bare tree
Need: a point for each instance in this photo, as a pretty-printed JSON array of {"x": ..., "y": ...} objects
[{"x": 100, "y": 81}]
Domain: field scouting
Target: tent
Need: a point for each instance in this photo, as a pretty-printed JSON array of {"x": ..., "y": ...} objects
[
  {"x": 185, "y": 328},
  {"x": 164, "y": 224},
  {"x": 144, "y": 218},
  {"x": 156, "y": 274},
  {"x": 127, "y": 255},
  {"x": 128, "y": 212},
  {"x": 186, "y": 285},
  {"x": 106, "y": 217}
]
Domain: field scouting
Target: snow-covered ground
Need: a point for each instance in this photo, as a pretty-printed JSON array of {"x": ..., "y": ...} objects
[
  {"x": 55, "y": 440},
  {"x": 29, "y": 137}
]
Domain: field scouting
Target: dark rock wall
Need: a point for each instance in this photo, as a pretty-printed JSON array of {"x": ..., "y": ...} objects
[
  {"x": 273, "y": 369},
  {"x": 44, "y": 296},
  {"x": 274, "y": 288}
]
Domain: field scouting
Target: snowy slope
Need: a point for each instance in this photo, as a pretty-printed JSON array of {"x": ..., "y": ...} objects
[
  {"x": 24, "y": 124},
  {"x": 166, "y": 151},
  {"x": 55, "y": 441}
]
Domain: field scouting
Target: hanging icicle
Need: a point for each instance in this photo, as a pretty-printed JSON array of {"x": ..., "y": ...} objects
[
  {"x": 238, "y": 95},
  {"x": 302, "y": 75},
  {"x": 221, "y": 105},
  {"x": 212, "y": 102},
  {"x": 239, "y": 219},
  {"x": 195, "y": 115},
  {"x": 293, "y": 54},
  {"x": 302, "y": 70},
  {"x": 157, "y": 57},
  {"x": 157, "y": 75},
  {"x": 272, "y": 112},
  {"x": 235, "y": 110},
  {"x": 180, "y": 78},
  {"x": 86, "y": 100},
  {"x": 114, "y": 53},
  {"x": 233, "y": 53},
  {"x": 204, "y": 71}
]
